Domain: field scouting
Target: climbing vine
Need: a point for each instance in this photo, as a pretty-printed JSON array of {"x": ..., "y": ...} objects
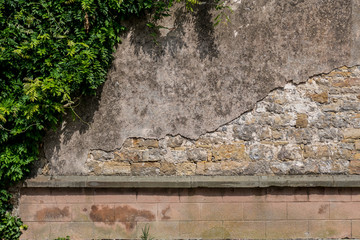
[{"x": 51, "y": 53}]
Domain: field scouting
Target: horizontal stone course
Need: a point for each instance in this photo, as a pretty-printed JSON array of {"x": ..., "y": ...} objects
[{"x": 192, "y": 181}]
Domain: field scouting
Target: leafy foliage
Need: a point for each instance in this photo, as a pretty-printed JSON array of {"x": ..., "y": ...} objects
[
  {"x": 51, "y": 53},
  {"x": 10, "y": 226}
]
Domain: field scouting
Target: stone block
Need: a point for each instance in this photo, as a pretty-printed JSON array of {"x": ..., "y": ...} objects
[
  {"x": 330, "y": 229},
  {"x": 301, "y": 120},
  {"x": 151, "y": 195},
  {"x": 308, "y": 210},
  {"x": 36, "y": 196},
  {"x": 354, "y": 167},
  {"x": 100, "y": 155},
  {"x": 264, "y": 211},
  {"x": 244, "y": 132},
  {"x": 113, "y": 168},
  {"x": 197, "y": 154},
  {"x": 244, "y": 195},
  {"x": 38, "y": 230},
  {"x": 179, "y": 211},
  {"x": 81, "y": 212},
  {"x": 355, "y": 233},
  {"x": 76, "y": 230},
  {"x": 245, "y": 230},
  {"x": 330, "y": 194},
  {"x": 286, "y": 194},
  {"x": 185, "y": 169},
  {"x": 152, "y": 155},
  {"x": 200, "y": 195},
  {"x": 221, "y": 211},
  {"x": 133, "y": 213},
  {"x": 45, "y": 212},
  {"x": 287, "y": 229},
  {"x": 110, "y": 195},
  {"x": 355, "y": 194},
  {"x": 208, "y": 168},
  {"x": 233, "y": 168},
  {"x": 159, "y": 230},
  {"x": 167, "y": 169},
  {"x": 203, "y": 230},
  {"x": 320, "y": 97},
  {"x": 128, "y": 155},
  {"x": 117, "y": 230},
  {"x": 351, "y": 133},
  {"x": 145, "y": 168},
  {"x": 71, "y": 195},
  {"x": 104, "y": 213},
  {"x": 229, "y": 152},
  {"x": 344, "y": 210},
  {"x": 357, "y": 145},
  {"x": 174, "y": 142}
]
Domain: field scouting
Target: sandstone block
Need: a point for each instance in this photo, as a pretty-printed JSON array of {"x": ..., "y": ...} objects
[
  {"x": 203, "y": 230},
  {"x": 197, "y": 154},
  {"x": 233, "y": 167},
  {"x": 229, "y": 152},
  {"x": 245, "y": 230},
  {"x": 244, "y": 132},
  {"x": 167, "y": 168},
  {"x": 100, "y": 155},
  {"x": 221, "y": 211},
  {"x": 160, "y": 230},
  {"x": 287, "y": 229},
  {"x": 264, "y": 211},
  {"x": 321, "y": 97},
  {"x": 351, "y": 133},
  {"x": 357, "y": 145},
  {"x": 302, "y": 120},
  {"x": 128, "y": 155},
  {"x": 152, "y": 155},
  {"x": 179, "y": 211},
  {"x": 185, "y": 169},
  {"x": 344, "y": 210},
  {"x": 354, "y": 167},
  {"x": 355, "y": 228},
  {"x": 208, "y": 168},
  {"x": 308, "y": 210},
  {"x": 113, "y": 168},
  {"x": 145, "y": 168}
]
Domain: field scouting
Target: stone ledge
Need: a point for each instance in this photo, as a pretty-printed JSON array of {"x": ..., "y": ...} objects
[{"x": 192, "y": 181}]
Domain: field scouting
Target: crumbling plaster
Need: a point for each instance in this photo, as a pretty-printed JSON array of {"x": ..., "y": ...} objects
[{"x": 198, "y": 77}]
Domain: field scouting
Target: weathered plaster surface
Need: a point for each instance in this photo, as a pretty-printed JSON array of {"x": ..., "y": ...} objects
[{"x": 199, "y": 77}]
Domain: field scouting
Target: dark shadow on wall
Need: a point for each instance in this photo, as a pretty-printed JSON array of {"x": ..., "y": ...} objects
[
  {"x": 77, "y": 119},
  {"x": 144, "y": 40}
]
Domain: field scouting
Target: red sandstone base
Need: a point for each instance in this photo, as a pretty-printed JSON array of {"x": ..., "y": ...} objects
[{"x": 241, "y": 213}]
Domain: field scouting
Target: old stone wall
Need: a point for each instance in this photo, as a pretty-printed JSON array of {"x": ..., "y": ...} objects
[
  {"x": 181, "y": 106},
  {"x": 268, "y": 213},
  {"x": 309, "y": 128}
]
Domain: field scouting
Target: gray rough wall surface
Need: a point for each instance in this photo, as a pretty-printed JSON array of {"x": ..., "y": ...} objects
[{"x": 199, "y": 77}]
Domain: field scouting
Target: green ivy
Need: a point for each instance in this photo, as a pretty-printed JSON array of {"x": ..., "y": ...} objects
[{"x": 51, "y": 53}]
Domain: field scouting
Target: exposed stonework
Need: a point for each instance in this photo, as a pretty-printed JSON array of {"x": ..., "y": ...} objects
[
  {"x": 288, "y": 132},
  {"x": 199, "y": 77}
]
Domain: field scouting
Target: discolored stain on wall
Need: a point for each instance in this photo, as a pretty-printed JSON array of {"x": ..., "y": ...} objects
[
  {"x": 124, "y": 214},
  {"x": 323, "y": 208},
  {"x": 164, "y": 213},
  {"x": 53, "y": 213},
  {"x": 102, "y": 214},
  {"x": 129, "y": 216}
]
